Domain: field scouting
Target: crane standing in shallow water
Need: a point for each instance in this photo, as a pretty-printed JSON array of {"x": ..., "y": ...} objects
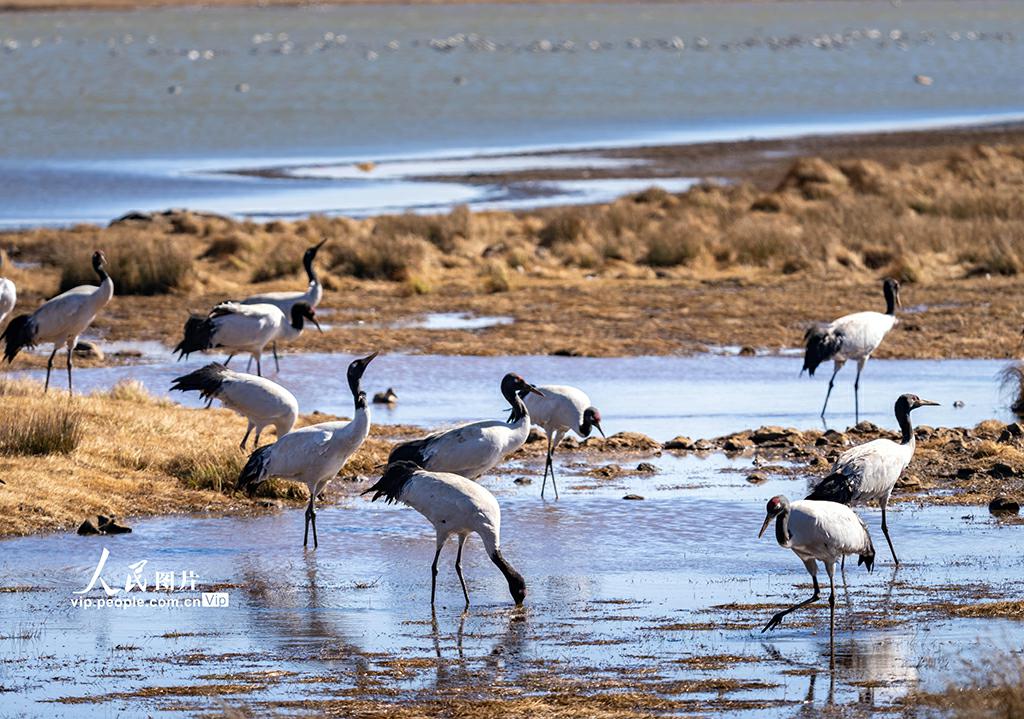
[
  {"x": 454, "y": 505},
  {"x": 870, "y": 471},
  {"x": 473, "y": 449},
  {"x": 851, "y": 337},
  {"x": 60, "y": 320},
  {"x": 315, "y": 454},
  {"x": 284, "y": 301},
  {"x": 560, "y": 409},
  {"x": 261, "y": 401},
  {"x": 818, "y": 531}
]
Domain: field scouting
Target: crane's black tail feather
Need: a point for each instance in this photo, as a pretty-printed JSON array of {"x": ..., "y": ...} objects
[
  {"x": 20, "y": 333},
  {"x": 412, "y": 451},
  {"x": 198, "y": 336},
  {"x": 834, "y": 488},
  {"x": 255, "y": 470},
  {"x": 206, "y": 380},
  {"x": 822, "y": 344},
  {"x": 393, "y": 481}
]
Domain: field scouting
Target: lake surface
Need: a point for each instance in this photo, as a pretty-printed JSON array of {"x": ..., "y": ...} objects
[
  {"x": 660, "y": 581},
  {"x": 114, "y": 111},
  {"x": 700, "y": 396}
]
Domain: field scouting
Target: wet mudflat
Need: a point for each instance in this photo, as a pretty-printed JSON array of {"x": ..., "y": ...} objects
[{"x": 653, "y": 604}]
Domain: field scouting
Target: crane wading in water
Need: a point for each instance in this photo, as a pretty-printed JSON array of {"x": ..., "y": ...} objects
[
  {"x": 851, "y": 337},
  {"x": 315, "y": 454},
  {"x": 818, "y": 531},
  {"x": 560, "y": 409},
  {"x": 454, "y": 505},
  {"x": 870, "y": 471}
]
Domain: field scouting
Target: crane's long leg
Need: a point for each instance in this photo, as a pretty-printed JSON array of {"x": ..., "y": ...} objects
[
  {"x": 831, "y": 383},
  {"x": 310, "y": 519},
  {"x": 830, "y": 567},
  {"x": 71, "y": 391},
  {"x": 433, "y": 567},
  {"x": 885, "y": 531},
  {"x": 248, "y": 365},
  {"x": 776, "y": 620},
  {"x": 245, "y": 439},
  {"x": 277, "y": 364},
  {"x": 458, "y": 568},
  {"x": 259, "y": 367},
  {"x": 856, "y": 392},
  {"x": 228, "y": 360},
  {"x": 547, "y": 462},
  {"x": 551, "y": 459},
  {"x": 49, "y": 368}
]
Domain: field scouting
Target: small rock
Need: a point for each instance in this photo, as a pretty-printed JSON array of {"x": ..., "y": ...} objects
[
  {"x": 756, "y": 478},
  {"x": 633, "y": 497},
  {"x": 1004, "y": 505},
  {"x": 569, "y": 443},
  {"x": 702, "y": 445},
  {"x": 965, "y": 473},
  {"x": 747, "y": 351},
  {"x": 88, "y": 527},
  {"x": 865, "y": 427},
  {"x": 908, "y": 481},
  {"x": 99, "y": 524},
  {"x": 1001, "y": 470},
  {"x": 88, "y": 350},
  {"x": 737, "y": 443},
  {"x": 646, "y": 468},
  {"x": 366, "y": 166},
  {"x": 680, "y": 442},
  {"x": 565, "y": 353},
  {"x": 388, "y": 396},
  {"x": 608, "y": 471},
  {"x": 630, "y": 441},
  {"x": 923, "y": 80},
  {"x": 1012, "y": 431},
  {"x": 522, "y": 480}
]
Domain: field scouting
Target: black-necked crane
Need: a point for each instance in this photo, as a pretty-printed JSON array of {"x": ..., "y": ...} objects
[
  {"x": 870, "y": 471},
  {"x": 8, "y": 294},
  {"x": 60, "y": 320},
  {"x": 284, "y": 301},
  {"x": 560, "y": 410},
  {"x": 243, "y": 328},
  {"x": 851, "y": 337},
  {"x": 454, "y": 505},
  {"x": 473, "y": 449},
  {"x": 818, "y": 532},
  {"x": 261, "y": 401},
  {"x": 315, "y": 454}
]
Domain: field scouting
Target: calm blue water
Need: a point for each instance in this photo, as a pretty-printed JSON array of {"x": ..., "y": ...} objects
[{"x": 107, "y": 112}]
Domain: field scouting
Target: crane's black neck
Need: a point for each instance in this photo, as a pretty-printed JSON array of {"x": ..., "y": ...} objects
[
  {"x": 782, "y": 535},
  {"x": 358, "y": 396},
  {"x": 98, "y": 267},
  {"x": 508, "y": 390},
  {"x": 307, "y": 261},
  {"x": 890, "y": 299},
  {"x": 903, "y": 417},
  {"x": 298, "y": 319},
  {"x": 516, "y": 583}
]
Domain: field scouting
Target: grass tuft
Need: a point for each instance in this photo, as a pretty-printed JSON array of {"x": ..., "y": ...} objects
[
  {"x": 43, "y": 430},
  {"x": 211, "y": 469},
  {"x": 138, "y": 265}
]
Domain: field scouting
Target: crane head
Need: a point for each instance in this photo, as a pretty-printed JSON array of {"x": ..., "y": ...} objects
[
  {"x": 892, "y": 286},
  {"x": 776, "y": 506},
  {"x": 591, "y": 419},
  {"x": 912, "y": 402},
  {"x": 512, "y": 384},
  {"x": 98, "y": 259},
  {"x": 304, "y": 311}
]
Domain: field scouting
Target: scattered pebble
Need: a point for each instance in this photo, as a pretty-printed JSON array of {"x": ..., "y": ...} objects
[
  {"x": 522, "y": 480},
  {"x": 1004, "y": 506},
  {"x": 633, "y": 497},
  {"x": 646, "y": 468}
]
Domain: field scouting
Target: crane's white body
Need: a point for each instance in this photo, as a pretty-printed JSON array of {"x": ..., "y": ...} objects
[
  {"x": 873, "y": 468},
  {"x": 862, "y": 333},
  {"x": 315, "y": 454},
  {"x": 250, "y": 328},
  {"x": 62, "y": 319},
  {"x": 8, "y": 298},
  {"x": 559, "y": 411},
  {"x": 826, "y": 532},
  {"x": 471, "y": 450},
  {"x": 455, "y": 505}
]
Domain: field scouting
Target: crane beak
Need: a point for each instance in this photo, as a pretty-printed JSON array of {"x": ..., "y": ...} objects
[
  {"x": 313, "y": 320},
  {"x": 368, "y": 359},
  {"x": 927, "y": 403},
  {"x": 767, "y": 521},
  {"x": 320, "y": 244},
  {"x": 598, "y": 426},
  {"x": 531, "y": 388}
]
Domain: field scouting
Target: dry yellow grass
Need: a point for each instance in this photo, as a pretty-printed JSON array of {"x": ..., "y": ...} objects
[
  {"x": 137, "y": 456},
  {"x": 653, "y": 273}
]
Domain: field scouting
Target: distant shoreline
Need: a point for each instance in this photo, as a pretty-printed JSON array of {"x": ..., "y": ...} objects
[{"x": 113, "y": 5}]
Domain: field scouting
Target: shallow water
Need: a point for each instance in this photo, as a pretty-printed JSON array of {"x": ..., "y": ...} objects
[
  {"x": 173, "y": 98},
  {"x": 315, "y": 625},
  {"x": 699, "y": 396}
]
